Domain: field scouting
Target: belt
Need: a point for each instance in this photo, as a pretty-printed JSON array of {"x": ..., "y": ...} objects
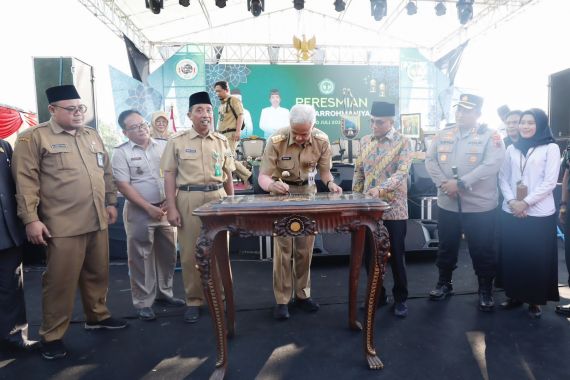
[
  {"x": 157, "y": 204},
  {"x": 296, "y": 183},
  {"x": 228, "y": 131},
  {"x": 209, "y": 187}
]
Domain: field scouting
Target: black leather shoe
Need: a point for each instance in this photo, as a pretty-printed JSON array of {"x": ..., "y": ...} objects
[
  {"x": 563, "y": 310},
  {"x": 281, "y": 312},
  {"x": 146, "y": 314},
  {"x": 441, "y": 291},
  {"x": 171, "y": 301},
  {"x": 307, "y": 305},
  {"x": 192, "y": 314},
  {"x": 511, "y": 303},
  {"x": 401, "y": 309},
  {"x": 534, "y": 311},
  {"x": 53, "y": 350}
]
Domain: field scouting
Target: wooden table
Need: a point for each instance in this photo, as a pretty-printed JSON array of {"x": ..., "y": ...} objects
[{"x": 292, "y": 215}]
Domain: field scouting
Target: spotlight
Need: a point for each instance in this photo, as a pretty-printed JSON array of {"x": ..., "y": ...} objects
[
  {"x": 411, "y": 8},
  {"x": 221, "y": 3},
  {"x": 378, "y": 9},
  {"x": 154, "y": 5},
  {"x": 464, "y": 11},
  {"x": 339, "y": 5},
  {"x": 298, "y": 4},
  {"x": 256, "y": 7},
  {"x": 184, "y": 3},
  {"x": 440, "y": 9}
]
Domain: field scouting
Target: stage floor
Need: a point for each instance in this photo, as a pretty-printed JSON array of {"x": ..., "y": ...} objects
[{"x": 450, "y": 339}]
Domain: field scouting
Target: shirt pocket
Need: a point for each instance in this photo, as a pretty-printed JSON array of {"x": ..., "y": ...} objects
[
  {"x": 58, "y": 156},
  {"x": 285, "y": 164},
  {"x": 474, "y": 156},
  {"x": 444, "y": 152}
]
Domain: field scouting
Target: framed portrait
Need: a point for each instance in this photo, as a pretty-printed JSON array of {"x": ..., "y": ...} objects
[{"x": 410, "y": 124}]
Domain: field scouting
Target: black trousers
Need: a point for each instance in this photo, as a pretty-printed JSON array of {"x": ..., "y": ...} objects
[
  {"x": 567, "y": 244},
  {"x": 13, "y": 323},
  {"x": 397, "y": 234},
  {"x": 479, "y": 228}
]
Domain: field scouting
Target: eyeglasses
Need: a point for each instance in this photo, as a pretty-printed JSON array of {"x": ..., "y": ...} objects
[
  {"x": 82, "y": 108},
  {"x": 143, "y": 125},
  {"x": 378, "y": 122}
]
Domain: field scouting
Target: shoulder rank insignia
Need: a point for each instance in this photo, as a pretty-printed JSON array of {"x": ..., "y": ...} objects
[{"x": 278, "y": 138}]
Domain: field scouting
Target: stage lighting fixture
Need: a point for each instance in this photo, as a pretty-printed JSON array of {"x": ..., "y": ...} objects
[
  {"x": 221, "y": 3},
  {"x": 378, "y": 8},
  {"x": 464, "y": 11},
  {"x": 339, "y": 5},
  {"x": 154, "y": 5},
  {"x": 440, "y": 9},
  {"x": 298, "y": 4},
  {"x": 184, "y": 3},
  {"x": 256, "y": 7},
  {"x": 411, "y": 8}
]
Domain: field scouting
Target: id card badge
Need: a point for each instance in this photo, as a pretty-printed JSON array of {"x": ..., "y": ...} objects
[
  {"x": 100, "y": 159},
  {"x": 311, "y": 177}
]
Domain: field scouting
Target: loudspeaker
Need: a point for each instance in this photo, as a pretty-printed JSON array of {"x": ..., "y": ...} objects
[
  {"x": 421, "y": 235},
  {"x": 51, "y": 72},
  {"x": 559, "y": 112},
  {"x": 342, "y": 174}
]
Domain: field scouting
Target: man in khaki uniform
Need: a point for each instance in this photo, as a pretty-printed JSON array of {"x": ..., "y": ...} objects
[
  {"x": 151, "y": 241},
  {"x": 230, "y": 114},
  {"x": 199, "y": 163},
  {"x": 66, "y": 199},
  {"x": 292, "y": 157}
]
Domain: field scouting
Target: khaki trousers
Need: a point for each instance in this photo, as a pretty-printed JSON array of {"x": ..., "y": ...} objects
[
  {"x": 241, "y": 170},
  {"x": 186, "y": 202},
  {"x": 78, "y": 260},
  {"x": 292, "y": 261},
  {"x": 151, "y": 249}
]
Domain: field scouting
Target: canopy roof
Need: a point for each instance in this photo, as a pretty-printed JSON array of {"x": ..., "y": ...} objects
[{"x": 233, "y": 34}]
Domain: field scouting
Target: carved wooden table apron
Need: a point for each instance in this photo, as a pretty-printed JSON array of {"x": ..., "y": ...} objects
[{"x": 293, "y": 215}]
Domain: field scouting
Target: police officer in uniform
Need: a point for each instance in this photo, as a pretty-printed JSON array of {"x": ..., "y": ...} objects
[
  {"x": 66, "y": 199},
  {"x": 230, "y": 121},
  {"x": 197, "y": 165},
  {"x": 463, "y": 162},
  {"x": 151, "y": 241},
  {"x": 289, "y": 165}
]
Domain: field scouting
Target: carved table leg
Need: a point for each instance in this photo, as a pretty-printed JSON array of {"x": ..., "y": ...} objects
[
  {"x": 223, "y": 259},
  {"x": 212, "y": 293},
  {"x": 357, "y": 244},
  {"x": 375, "y": 280}
]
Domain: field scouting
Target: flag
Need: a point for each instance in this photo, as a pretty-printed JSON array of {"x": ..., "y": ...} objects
[{"x": 172, "y": 118}]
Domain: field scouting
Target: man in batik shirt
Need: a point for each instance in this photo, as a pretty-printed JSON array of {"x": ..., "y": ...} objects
[{"x": 381, "y": 171}]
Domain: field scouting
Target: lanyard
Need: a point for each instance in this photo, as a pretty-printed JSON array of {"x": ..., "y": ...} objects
[{"x": 521, "y": 166}]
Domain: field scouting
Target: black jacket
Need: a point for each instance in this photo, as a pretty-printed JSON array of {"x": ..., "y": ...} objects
[{"x": 11, "y": 228}]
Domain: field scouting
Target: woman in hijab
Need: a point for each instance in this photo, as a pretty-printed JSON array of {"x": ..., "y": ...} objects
[
  {"x": 159, "y": 125},
  {"x": 529, "y": 261}
]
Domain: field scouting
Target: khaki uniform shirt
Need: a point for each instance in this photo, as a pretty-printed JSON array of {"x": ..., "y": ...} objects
[
  {"x": 226, "y": 118},
  {"x": 194, "y": 158},
  {"x": 141, "y": 168},
  {"x": 63, "y": 180},
  {"x": 478, "y": 155},
  {"x": 283, "y": 154}
]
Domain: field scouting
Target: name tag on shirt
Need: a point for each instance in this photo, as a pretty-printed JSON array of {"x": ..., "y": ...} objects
[
  {"x": 190, "y": 150},
  {"x": 99, "y": 159},
  {"x": 286, "y": 158},
  {"x": 136, "y": 158}
]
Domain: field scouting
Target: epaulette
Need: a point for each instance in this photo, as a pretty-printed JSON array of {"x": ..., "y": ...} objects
[
  {"x": 178, "y": 134},
  {"x": 220, "y": 136},
  {"x": 278, "y": 138},
  {"x": 321, "y": 136},
  {"x": 120, "y": 145},
  {"x": 160, "y": 138}
]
